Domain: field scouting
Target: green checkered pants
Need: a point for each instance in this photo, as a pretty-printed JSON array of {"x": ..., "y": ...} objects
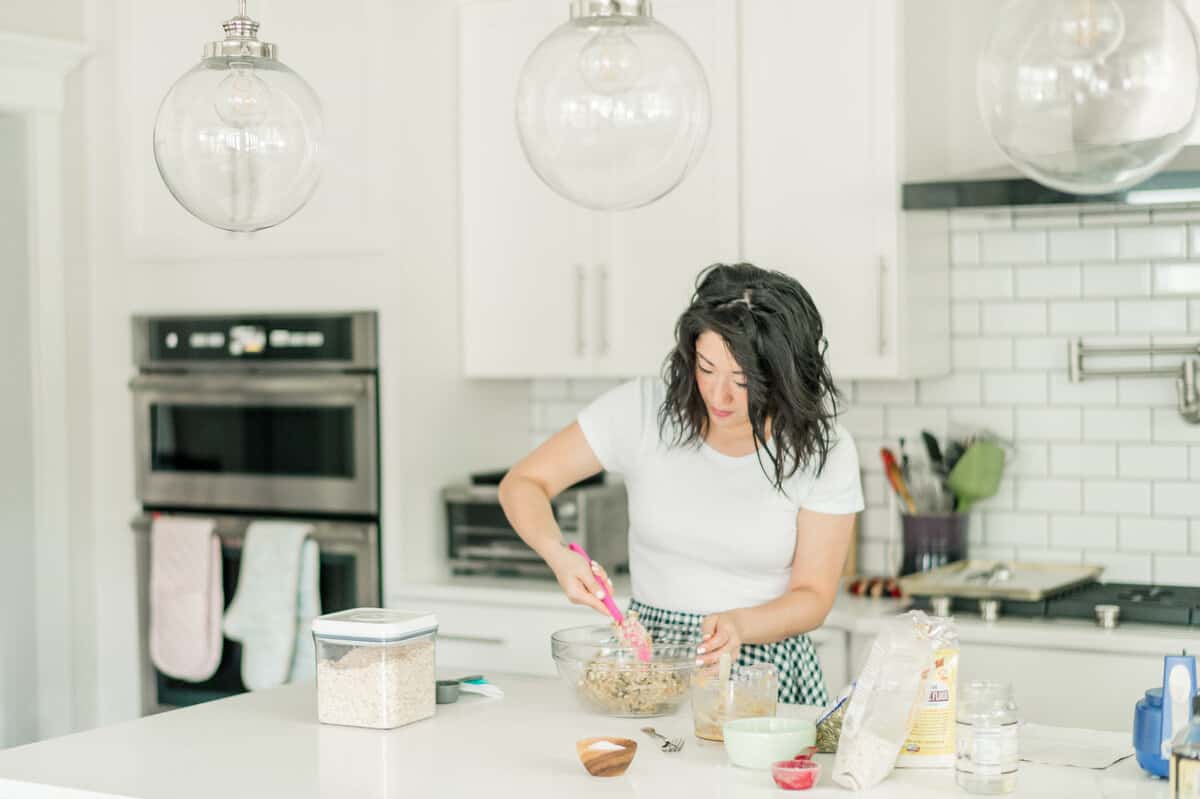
[{"x": 800, "y": 678}]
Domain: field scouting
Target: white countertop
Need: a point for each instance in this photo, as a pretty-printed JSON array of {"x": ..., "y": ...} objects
[
  {"x": 852, "y": 614},
  {"x": 269, "y": 744}
]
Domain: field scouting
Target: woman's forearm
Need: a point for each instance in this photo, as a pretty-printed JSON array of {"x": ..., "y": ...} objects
[
  {"x": 528, "y": 508},
  {"x": 800, "y": 610}
]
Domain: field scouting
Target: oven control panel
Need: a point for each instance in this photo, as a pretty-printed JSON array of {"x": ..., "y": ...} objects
[{"x": 293, "y": 338}]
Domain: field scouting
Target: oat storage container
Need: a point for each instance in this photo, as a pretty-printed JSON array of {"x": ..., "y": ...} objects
[{"x": 375, "y": 667}]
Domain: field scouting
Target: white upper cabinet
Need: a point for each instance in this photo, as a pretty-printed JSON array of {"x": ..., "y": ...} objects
[
  {"x": 821, "y": 185},
  {"x": 551, "y": 289}
]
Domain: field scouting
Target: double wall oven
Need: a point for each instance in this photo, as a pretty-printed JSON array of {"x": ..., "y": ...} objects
[{"x": 255, "y": 416}]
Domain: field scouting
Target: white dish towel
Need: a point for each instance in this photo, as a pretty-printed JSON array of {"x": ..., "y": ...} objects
[
  {"x": 185, "y": 597},
  {"x": 277, "y": 583}
]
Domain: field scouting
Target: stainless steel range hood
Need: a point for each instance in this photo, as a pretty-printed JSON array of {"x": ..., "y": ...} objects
[{"x": 1179, "y": 182}]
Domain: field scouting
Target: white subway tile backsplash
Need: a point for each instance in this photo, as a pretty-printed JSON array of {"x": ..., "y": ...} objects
[
  {"x": 1097, "y": 244},
  {"x": 863, "y": 420},
  {"x": 875, "y": 490},
  {"x": 1177, "y": 278},
  {"x": 1088, "y": 316},
  {"x": 1151, "y": 242},
  {"x": 1194, "y": 315},
  {"x": 1041, "y": 353},
  {"x": 1047, "y": 281},
  {"x": 1143, "y": 534},
  {"x": 1148, "y": 392},
  {"x": 909, "y": 422},
  {"x": 1087, "y": 392},
  {"x": 981, "y": 284},
  {"x": 1083, "y": 532},
  {"x": 1097, "y": 218},
  {"x": 885, "y": 392},
  {"x": 1029, "y": 460},
  {"x": 1113, "y": 496},
  {"x": 1003, "y": 499},
  {"x": 957, "y": 389},
  {"x": 1013, "y": 318},
  {"x": 1116, "y": 424},
  {"x": 588, "y": 390},
  {"x": 1083, "y": 460},
  {"x": 1002, "y": 553},
  {"x": 1169, "y": 214},
  {"x": 1040, "y": 218},
  {"x": 975, "y": 219},
  {"x": 1013, "y": 247},
  {"x": 1121, "y": 568},
  {"x": 1127, "y": 280},
  {"x": 1016, "y": 529},
  {"x": 868, "y": 452},
  {"x": 1051, "y": 556},
  {"x": 549, "y": 389},
  {"x": 1015, "y": 388},
  {"x": 964, "y": 318},
  {"x": 1176, "y": 570},
  {"x": 1164, "y": 462},
  {"x": 1152, "y": 316},
  {"x": 875, "y": 524},
  {"x": 1170, "y": 428},
  {"x": 1049, "y": 495},
  {"x": 1049, "y": 424},
  {"x": 995, "y": 420},
  {"x": 1176, "y": 499},
  {"x": 964, "y": 248},
  {"x": 977, "y": 354},
  {"x": 1194, "y": 239}
]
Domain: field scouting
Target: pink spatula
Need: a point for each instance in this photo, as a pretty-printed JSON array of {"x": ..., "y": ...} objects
[{"x": 631, "y": 629}]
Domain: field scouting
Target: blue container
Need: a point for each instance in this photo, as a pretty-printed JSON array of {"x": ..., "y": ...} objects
[{"x": 1147, "y": 733}]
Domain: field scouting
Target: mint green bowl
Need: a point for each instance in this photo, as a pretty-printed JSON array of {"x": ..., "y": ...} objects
[{"x": 759, "y": 742}]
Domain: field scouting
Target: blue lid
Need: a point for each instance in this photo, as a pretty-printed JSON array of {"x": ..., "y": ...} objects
[{"x": 1154, "y": 696}]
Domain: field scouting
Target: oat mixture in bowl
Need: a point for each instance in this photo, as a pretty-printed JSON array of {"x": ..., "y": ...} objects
[{"x": 606, "y": 676}]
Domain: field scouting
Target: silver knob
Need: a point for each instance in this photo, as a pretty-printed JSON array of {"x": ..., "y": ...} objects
[
  {"x": 1107, "y": 616},
  {"x": 989, "y": 609},
  {"x": 940, "y": 606}
]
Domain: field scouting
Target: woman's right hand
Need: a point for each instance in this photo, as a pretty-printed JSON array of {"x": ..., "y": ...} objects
[{"x": 584, "y": 583}]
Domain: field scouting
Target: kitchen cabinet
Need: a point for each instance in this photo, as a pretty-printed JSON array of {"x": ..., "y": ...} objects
[
  {"x": 821, "y": 91},
  {"x": 551, "y": 289}
]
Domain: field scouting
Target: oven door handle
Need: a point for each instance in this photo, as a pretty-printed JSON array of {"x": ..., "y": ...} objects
[{"x": 324, "y": 387}]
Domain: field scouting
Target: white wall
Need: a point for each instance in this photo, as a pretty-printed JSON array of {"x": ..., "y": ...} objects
[
  {"x": 435, "y": 425},
  {"x": 18, "y": 675},
  {"x": 58, "y": 19}
]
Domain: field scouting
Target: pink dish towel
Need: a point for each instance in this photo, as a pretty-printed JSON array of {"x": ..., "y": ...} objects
[{"x": 186, "y": 597}]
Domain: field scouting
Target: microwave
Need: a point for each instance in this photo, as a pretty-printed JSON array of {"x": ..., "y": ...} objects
[{"x": 593, "y": 514}]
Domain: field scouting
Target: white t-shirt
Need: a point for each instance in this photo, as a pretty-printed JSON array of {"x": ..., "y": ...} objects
[{"x": 708, "y": 532}]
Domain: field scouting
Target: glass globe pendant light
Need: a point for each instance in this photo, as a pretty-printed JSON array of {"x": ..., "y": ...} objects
[
  {"x": 612, "y": 107},
  {"x": 1090, "y": 96},
  {"x": 237, "y": 139}
]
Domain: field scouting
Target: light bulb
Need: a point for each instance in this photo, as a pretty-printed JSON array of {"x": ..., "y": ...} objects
[
  {"x": 242, "y": 98},
  {"x": 610, "y": 63},
  {"x": 1086, "y": 30},
  {"x": 1090, "y": 96},
  {"x": 612, "y": 107}
]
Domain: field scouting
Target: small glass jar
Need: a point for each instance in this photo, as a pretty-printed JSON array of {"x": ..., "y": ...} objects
[
  {"x": 751, "y": 691},
  {"x": 375, "y": 667},
  {"x": 987, "y": 753}
]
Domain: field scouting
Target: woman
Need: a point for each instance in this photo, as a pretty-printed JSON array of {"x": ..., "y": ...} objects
[{"x": 743, "y": 488}]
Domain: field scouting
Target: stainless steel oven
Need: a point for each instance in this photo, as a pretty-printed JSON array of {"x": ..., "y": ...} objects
[
  {"x": 274, "y": 413},
  {"x": 258, "y": 416}
]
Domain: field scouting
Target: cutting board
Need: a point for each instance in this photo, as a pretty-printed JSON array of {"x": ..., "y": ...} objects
[{"x": 1030, "y": 582}]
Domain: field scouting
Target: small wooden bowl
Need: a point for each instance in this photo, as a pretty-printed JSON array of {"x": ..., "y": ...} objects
[{"x": 606, "y": 762}]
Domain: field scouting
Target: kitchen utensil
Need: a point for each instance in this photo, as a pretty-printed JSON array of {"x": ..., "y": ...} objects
[
  {"x": 1162, "y": 712},
  {"x": 1028, "y": 581},
  {"x": 977, "y": 474},
  {"x": 606, "y": 757},
  {"x": 630, "y": 628},
  {"x": 934, "y": 451},
  {"x": 892, "y": 470},
  {"x": 448, "y": 690},
  {"x": 798, "y": 774},
  {"x": 666, "y": 744},
  {"x": 1107, "y": 616},
  {"x": 759, "y": 742},
  {"x": 606, "y": 676},
  {"x": 904, "y": 463},
  {"x": 952, "y": 455}
]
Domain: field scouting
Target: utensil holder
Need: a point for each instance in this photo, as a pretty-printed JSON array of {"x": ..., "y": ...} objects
[{"x": 932, "y": 540}]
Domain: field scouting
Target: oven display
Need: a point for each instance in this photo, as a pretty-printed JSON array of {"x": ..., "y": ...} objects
[{"x": 275, "y": 339}]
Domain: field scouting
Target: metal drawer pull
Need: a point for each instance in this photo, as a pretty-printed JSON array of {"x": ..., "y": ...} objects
[
  {"x": 580, "y": 279},
  {"x": 882, "y": 313},
  {"x": 471, "y": 639},
  {"x": 602, "y": 311}
]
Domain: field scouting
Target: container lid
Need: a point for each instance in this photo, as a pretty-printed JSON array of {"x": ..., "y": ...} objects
[
  {"x": 374, "y": 624},
  {"x": 1154, "y": 696}
]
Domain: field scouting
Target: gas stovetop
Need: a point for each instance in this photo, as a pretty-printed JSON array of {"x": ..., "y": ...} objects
[{"x": 1149, "y": 604}]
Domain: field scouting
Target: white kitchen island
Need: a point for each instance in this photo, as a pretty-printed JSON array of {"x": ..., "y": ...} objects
[{"x": 269, "y": 744}]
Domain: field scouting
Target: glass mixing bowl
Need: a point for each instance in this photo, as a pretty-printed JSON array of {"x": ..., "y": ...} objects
[{"x": 606, "y": 676}]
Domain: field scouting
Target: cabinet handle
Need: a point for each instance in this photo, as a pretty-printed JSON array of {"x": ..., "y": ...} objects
[
  {"x": 471, "y": 639},
  {"x": 580, "y": 280},
  {"x": 882, "y": 308},
  {"x": 602, "y": 309}
]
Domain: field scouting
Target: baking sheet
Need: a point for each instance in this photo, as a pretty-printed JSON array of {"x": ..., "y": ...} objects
[{"x": 1030, "y": 582}]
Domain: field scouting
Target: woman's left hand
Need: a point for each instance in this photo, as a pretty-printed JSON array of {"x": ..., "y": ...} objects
[{"x": 721, "y": 634}]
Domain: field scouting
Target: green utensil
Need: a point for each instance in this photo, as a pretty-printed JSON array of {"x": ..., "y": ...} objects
[{"x": 977, "y": 474}]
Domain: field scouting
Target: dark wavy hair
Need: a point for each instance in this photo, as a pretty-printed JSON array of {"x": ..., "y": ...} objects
[{"x": 774, "y": 332}]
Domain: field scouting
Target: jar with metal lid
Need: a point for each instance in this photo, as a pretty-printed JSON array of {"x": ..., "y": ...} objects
[
  {"x": 986, "y": 761},
  {"x": 375, "y": 667}
]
